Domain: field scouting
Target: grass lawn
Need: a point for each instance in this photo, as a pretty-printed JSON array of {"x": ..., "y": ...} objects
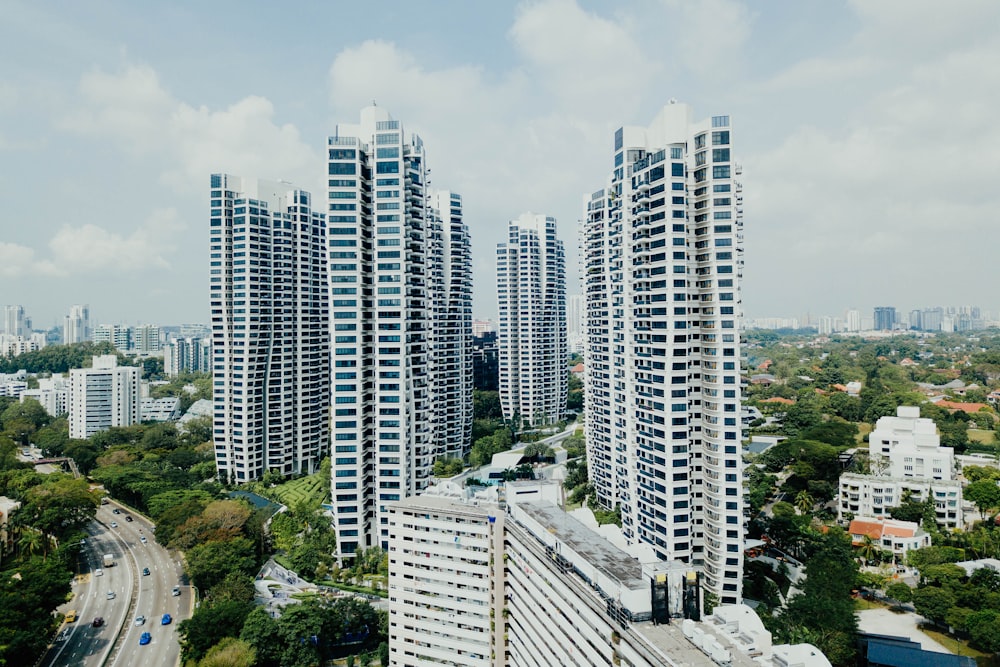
[
  {"x": 864, "y": 428},
  {"x": 980, "y": 436},
  {"x": 313, "y": 487},
  {"x": 956, "y": 646},
  {"x": 861, "y": 604}
]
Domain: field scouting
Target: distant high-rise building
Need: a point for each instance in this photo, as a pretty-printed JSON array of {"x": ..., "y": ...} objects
[
  {"x": 15, "y": 323},
  {"x": 146, "y": 338},
  {"x": 76, "y": 327},
  {"x": 118, "y": 335},
  {"x": 575, "y": 334},
  {"x": 485, "y": 362},
  {"x": 663, "y": 243},
  {"x": 885, "y": 318},
  {"x": 187, "y": 355},
  {"x": 270, "y": 337},
  {"x": 481, "y": 327},
  {"x": 102, "y": 396},
  {"x": 853, "y": 318},
  {"x": 916, "y": 321},
  {"x": 400, "y": 275},
  {"x": 531, "y": 286}
]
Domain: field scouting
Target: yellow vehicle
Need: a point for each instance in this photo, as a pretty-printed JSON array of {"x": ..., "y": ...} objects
[{"x": 70, "y": 615}]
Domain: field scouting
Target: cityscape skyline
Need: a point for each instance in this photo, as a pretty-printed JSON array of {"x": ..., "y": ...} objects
[{"x": 104, "y": 101}]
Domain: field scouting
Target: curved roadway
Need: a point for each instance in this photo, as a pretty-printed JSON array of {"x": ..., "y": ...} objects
[{"x": 116, "y": 644}]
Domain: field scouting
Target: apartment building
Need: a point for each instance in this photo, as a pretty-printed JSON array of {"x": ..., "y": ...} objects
[
  {"x": 187, "y": 355},
  {"x": 507, "y": 578},
  {"x": 15, "y": 323},
  {"x": 270, "y": 330},
  {"x": 76, "y": 325},
  {"x": 875, "y": 495},
  {"x": 102, "y": 396},
  {"x": 52, "y": 394},
  {"x": 146, "y": 339},
  {"x": 118, "y": 335},
  {"x": 400, "y": 319},
  {"x": 908, "y": 445},
  {"x": 532, "y": 342},
  {"x": 662, "y": 258}
]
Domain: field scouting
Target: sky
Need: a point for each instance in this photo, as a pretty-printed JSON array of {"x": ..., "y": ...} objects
[{"x": 866, "y": 129}]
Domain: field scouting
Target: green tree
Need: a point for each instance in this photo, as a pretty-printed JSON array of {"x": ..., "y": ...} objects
[
  {"x": 230, "y": 652},
  {"x": 262, "y": 633},
  {"x": 984, "y": 494},
  {"x": 868, "y": 550},
  {"x": 900, "y": 592},
  {"x": 804, "y": 502},
  {"x": 60, "y": 506},
  {"x": 209, "y": 625},
  {"x": 933, "y": 603},
  {"x": 209, "y": 563},
  {"x": 984, "y": 629}
]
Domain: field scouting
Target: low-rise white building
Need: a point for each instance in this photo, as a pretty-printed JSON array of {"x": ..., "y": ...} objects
[
  {"x": 899, "y": 537},
  {"x": 51, "y": 394},
  {"x": 160, "y": 409},
  {"x": 908, "y": 445},
  {"x": 874, "y": 496}
]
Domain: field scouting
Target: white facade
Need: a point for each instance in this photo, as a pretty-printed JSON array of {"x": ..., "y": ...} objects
[
  {"x": 76, "y": 326},
  {"x": 118, "y": 335},
  {"x": 908, "y": 445},
  {"x": 270, "y": 335},
  {"x": 14, "y": 322},
  {"x": 576, "y": 338},
  {"x": 12, "y": 346},
  {"x": 531, "y": 290},
  {"x": 186, "y": 355},
  {"x": 52, "y": 394},
  {"x": 475, "y": 583},
  {"x": 160, "y": 409},
  {"x": 869, "y": 495},
  {"x": 146, "y": 339},
  {"x": 102, "y": 396},
  {"x": 400, "y": 276},
  {"x": 662, "y": 255}
]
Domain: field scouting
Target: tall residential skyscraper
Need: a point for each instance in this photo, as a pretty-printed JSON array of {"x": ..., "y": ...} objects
[
  {"x": 531, "y": 291},
  {"x": 885, "y": 318},
  {"x": 270, "y": 329},
  {"x": 146, "y": 338},
  {"x": 184, "y": 355},
  {"x": 118, "y": 335},
  {"x": 102, "y": 396},
  {"x": 662, "y": 271},
  {"x": 853, "y": 320},
  {"x": 76, "y": 327},
  {"x": 14, "y": 321},
  {"x": 401, "y": 317}
]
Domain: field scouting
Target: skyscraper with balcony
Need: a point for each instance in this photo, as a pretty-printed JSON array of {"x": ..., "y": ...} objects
[
  {"x": 102, "y": 396},
  {"x": 531, "y": 292},
  {"x": 662, "y": 256},
  {"x": 400, "y": 291},
  {"x": 270, "y": 330},
  {"x": 885, "y": 318},
  {"x": 76, "y": 326}
]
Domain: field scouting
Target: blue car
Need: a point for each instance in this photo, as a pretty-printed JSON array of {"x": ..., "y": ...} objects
[
  {"x": 144, "y": 639},
  {"x": 165, "y": 620}
]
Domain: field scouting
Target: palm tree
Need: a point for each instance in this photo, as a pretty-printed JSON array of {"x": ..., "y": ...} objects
[
  {"x": 868, "y": 549},
  {"x": 804, "y": 502},
  {"x": 32, "y": 541}
]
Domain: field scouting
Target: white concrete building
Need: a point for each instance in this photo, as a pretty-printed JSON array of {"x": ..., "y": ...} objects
[
  {"x": 160, "y": 409},
  {"x": 118, "y": 335},
  {"x": 400, "y": 276},
  {"x": 52, "y": 394},
  {"x": 662, "y": 256},
  {"x": 897, "y": 537},
  {"x": 908, "y": 445},
  {"x": 531, "y": 291},
  {"x": 146, "y": 339},
  {"x": 520, "y": 583},
  {"x": 12, "y": 346},
  {"x": 874, "y": 496},
  {"x": 15, "y": 323},
  {"x": 76, "y": 326},
  {"x": 186, "y": 355},
  {"x": 270, "y": 329},
  {"x": 102, "y": 396}
]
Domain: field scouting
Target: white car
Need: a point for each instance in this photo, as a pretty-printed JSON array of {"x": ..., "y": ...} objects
[
  {"x": 114, "y": 524},
  {"x": 111, "y": 595},
  {"x": 140, "y": 620},
  {"x": 143, "y": 539},
  {"x": 98, "y": 572}
]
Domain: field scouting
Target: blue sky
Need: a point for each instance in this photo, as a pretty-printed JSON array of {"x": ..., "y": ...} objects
[{"x": 866, "y": 131}]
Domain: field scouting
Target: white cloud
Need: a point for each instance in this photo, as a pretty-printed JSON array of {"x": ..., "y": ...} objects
[
  {"x": 132, "y": 108},
  {"x": 89, "y": 249}
]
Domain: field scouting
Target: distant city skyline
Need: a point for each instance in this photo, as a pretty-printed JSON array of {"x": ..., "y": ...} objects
[{"x": 109, "y": 133}]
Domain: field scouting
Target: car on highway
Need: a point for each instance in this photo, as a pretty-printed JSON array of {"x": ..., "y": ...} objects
[
  {"x": 98, "y": 572},
  {"x": 176, "y": 591},
  {"x": 111, "y": 595},
  {"x": 71, "y": 616},
  {"x": 128, "y": 518},
  {"x": 145, "y": 638},
  {"x": 166, "y": 619},
  {"x": 145, "y": 571},
  {"x": 116, "y": 511},
  {"x": 114, "y": 524},
  {"x": 140, "y": 620},
  {"x": 98, "y": 621},
  {"x": 142, "y": 539}
]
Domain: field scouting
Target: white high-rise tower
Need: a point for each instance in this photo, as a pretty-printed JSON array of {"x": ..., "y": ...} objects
[
  {"x": 400, "y": 278},
  {"x": 15, "y": 323},
  {"x": 531, "y": 289},
  {"x": 662, "y": 270},
  {"x": 76, "y": 326},
  {"x": 270, "y": 331}
]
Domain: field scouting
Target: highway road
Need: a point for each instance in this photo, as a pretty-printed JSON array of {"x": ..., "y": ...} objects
[{"x": 135, "y": 594}]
